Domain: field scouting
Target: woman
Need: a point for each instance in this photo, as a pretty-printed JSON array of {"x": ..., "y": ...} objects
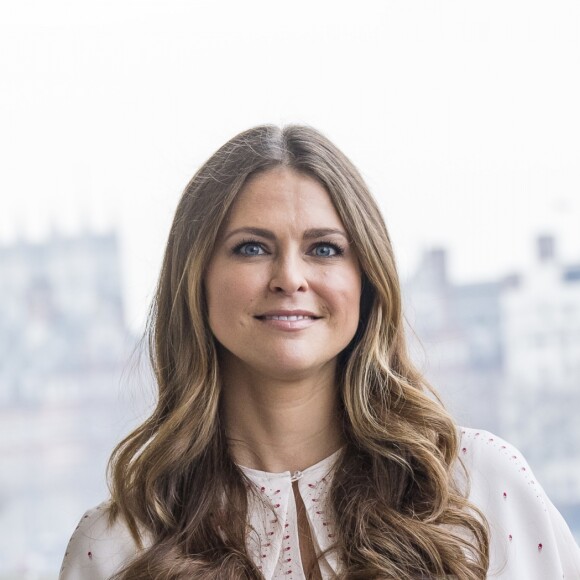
[{"x": 293, "y": 438}]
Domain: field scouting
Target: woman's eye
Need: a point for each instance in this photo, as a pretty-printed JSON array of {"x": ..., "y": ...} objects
[
  {"x": 326, "y": 250},
  {"x": 249, "y": 249}
]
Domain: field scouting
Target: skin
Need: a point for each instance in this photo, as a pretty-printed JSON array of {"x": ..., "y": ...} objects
[{"x": 280, "y": 394}]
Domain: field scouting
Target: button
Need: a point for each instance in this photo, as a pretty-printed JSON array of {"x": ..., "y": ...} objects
[{"x": 296, "y": 476}]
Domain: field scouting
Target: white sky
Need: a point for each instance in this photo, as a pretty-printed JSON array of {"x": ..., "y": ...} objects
[{"x": 463, "y": 116}]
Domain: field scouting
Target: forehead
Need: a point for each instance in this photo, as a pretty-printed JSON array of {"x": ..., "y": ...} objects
[{"x": 284, "y": 195}]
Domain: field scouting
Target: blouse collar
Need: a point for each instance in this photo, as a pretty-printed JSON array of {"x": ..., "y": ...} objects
[{"x": 314, "y": 471}]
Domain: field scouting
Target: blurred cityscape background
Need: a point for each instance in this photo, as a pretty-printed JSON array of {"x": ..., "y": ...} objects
[{"x": 505, "y": 355}]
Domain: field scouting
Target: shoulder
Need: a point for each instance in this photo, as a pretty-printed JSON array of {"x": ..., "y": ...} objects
[
  {"x": 491, "y": 461},
  {"x": 529, "y": 537},
  {"x": 97, "y": 549}
]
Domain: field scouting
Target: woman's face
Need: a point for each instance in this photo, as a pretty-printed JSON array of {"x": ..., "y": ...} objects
[{"x": 283, "y": 284}]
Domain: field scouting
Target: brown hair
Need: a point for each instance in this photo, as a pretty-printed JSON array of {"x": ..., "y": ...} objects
[{"x": 399, "y": 512}]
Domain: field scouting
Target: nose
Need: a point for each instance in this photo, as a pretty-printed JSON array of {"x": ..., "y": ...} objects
[{"x": 288, "y": 275}]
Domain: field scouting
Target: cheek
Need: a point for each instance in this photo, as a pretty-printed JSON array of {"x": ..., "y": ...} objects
[
  {"x": 217, "y": 290},
  {"x": 344, "y": 291},
  {"x": 229, "y": 297}
]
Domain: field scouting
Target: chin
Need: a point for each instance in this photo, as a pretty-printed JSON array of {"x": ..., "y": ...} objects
[
  {"x": 277, "y": 364},
  {"x": 292, "y": 369}
]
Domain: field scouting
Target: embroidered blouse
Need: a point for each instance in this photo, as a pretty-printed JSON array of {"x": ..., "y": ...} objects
[{"x": 529, "y": 538}]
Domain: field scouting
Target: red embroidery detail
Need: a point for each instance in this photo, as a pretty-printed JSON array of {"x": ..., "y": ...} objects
[
  {"x": 510, "y": 537},
  {"x": 90, "y": 555},
  {"x": 540, "y": 547},
  {"x": 464, "y": 450},
  {"x": 262, "y": 489},
  {"x": 523, "y": 469},
  {"x": 504, "y": 495},
  {"x": 277, "y": 505}
]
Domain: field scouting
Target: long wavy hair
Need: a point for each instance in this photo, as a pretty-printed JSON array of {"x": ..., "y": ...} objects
[{"x": 399, "y": 510}]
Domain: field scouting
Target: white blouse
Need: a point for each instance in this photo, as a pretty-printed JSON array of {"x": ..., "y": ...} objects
[{"x": 529, "y": 538}]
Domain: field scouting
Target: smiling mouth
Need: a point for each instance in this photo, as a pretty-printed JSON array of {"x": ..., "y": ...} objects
[{"x": 289, "y": 318}]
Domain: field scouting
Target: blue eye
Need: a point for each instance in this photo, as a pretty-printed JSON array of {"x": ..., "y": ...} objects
[
  {"x": 326, "y": 250},
  {"x": 249, "y": 249}
]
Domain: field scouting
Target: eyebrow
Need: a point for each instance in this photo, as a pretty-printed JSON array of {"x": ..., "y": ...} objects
[{"x": 310, "y": 234}]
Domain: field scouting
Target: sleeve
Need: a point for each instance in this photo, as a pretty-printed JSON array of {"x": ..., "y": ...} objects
[
  {"x": 529, "y": 538},
  {"x": 97, "y": 550}
]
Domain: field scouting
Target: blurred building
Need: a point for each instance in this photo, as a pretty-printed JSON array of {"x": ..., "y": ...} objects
[
  {"x": 541, "y": 326},
  {"x": 64, "y": 401},
  {"x": 61, "y": 318},
  {"x": 455, "y": 337},
  {"x": 505, "y": 356}
]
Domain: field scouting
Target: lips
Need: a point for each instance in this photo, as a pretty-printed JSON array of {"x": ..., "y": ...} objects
[
  {"x": 288, "y": 315},
  {"x": 291, "y": 318},
  {"x": 288, "y": 321}
]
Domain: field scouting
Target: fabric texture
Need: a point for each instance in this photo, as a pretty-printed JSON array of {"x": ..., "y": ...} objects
[{"x": 529, "y": 538}]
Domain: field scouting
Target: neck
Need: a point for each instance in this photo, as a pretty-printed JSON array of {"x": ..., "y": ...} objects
[{"x": 277, "y": 425}]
